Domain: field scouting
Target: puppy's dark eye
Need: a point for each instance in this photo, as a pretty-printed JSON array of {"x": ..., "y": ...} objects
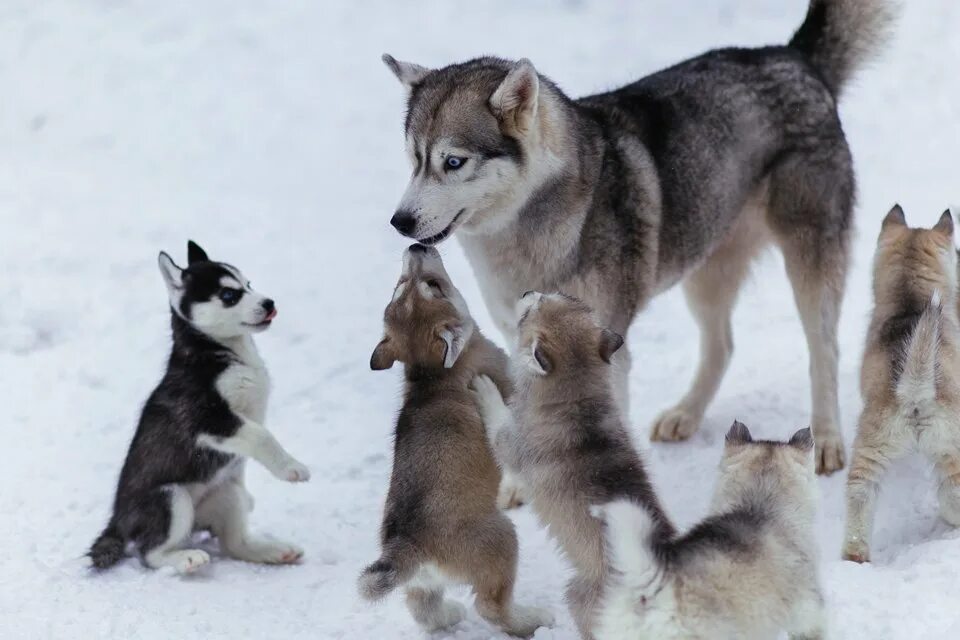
[
  {"x": 435, "y": 285},
  {"x": 452, "y": 163},
  {"x": 230, "y": 296}
]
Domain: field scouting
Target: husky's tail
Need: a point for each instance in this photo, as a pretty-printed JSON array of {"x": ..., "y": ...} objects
[
  {"x": 917, "y": 385},
  {"x": 630, "y": 532},
  {"x": 394, "y": 567},
  {"x": 840, "y": 35},
  {"x": 108, "y": 549}
]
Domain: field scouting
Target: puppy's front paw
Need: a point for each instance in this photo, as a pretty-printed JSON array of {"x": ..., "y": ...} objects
[
  {"x": 488, "y": 398},
  {"x": 268, "y": 552},
  {"x": 511, "y": 492},
  {"x": 293, "y": 471}
]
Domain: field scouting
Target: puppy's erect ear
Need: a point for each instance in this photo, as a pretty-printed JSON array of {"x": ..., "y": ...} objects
[
  {"x": 514, "y": 103},
  {"x": 609, "y": 343},
  {"x": 894, "y": 218},
  {"x": 384, "y": 355},
  {"x": 945, "y": 224},
  {"x": 538, "y": 361},
  {"x": 738, "y": 434},
  {"x": 195, "y": 253},
  {"x": 408, "y": 73},
  {"x": 802, "y": 439},
  {"x": 172, "y": 274},
  {"x": 455, "y": 338}
]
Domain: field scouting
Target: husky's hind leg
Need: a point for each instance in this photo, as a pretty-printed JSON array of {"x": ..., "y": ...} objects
[
  {"x": 949, "y": 492},
  {"x": 165, "y": 521},
  {"x": 711, "y": 293},
  {"x": 810, "y": 213},
  {"x": 224, "y": 511},
  {"x": 426, "y": 602}
]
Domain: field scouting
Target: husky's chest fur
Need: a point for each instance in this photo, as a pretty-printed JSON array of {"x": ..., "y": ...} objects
[{"x": 245, "y": 383}]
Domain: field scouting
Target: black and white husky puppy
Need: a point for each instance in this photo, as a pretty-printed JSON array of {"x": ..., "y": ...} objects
[{"x": 184, "y": 469}]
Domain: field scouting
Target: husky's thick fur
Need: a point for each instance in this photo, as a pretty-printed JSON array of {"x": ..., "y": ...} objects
[
  {"x": 910, "y": 378},
  {"x": 748, "y": 571},
  {"x": 681, "y": 176},
  {"x": 564, "y": 436},
  {"x": 184, "y": 468},
  {"x": 441, "y": 521}
]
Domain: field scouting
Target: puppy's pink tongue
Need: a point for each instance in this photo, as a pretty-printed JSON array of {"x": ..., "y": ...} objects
[{"x": 272, "y": 314}]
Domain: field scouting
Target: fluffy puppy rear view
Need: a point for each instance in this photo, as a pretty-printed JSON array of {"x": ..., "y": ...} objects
[
  {"x": 910, "y": 378},
  {"x": 184, "y": 469},
  {"x": 441, "y": 523},
  {"x": 749, "y": 570}
]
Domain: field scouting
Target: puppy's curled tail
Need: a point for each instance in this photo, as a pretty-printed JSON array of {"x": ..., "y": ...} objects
[
  {"x": 394, "y": 567},
  {"x": 630, "y": 533},
  {"x": 838, "y": 36},
  {"x": 108, "y": 549},
  {"x": 917, "y": 385}
]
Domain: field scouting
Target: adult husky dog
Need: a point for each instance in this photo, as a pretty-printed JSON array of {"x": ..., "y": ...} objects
[{"x": 681, "y": 176}]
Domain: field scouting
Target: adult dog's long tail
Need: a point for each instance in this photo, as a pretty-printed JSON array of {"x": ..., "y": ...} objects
[
  {"x": 917, "y": 386},
  {"x": 840, "y": 35}
]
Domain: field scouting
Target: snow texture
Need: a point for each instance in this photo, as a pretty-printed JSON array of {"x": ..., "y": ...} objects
[{"x": 271, "y": 133}]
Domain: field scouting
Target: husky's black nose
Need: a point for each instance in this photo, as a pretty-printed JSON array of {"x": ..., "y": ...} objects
[
  {"x": 417, "y": 248},
  {"x": 268, "y": 305},
  {"x": 404, "y": 222}
]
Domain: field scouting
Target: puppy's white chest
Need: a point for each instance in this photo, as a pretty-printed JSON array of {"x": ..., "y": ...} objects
[{"x": 245, "y": 385}]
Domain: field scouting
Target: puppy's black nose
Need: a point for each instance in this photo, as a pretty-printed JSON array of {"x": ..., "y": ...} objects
[
  {"x": 404, "y": 222},
  {"x": 268, "y": 305},
  {"x": 417, "y": 248}
]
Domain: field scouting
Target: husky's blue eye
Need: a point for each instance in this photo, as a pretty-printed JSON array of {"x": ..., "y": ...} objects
[
  {"x": 454, "y": 162},
  {"x": 229, "y": 296}
]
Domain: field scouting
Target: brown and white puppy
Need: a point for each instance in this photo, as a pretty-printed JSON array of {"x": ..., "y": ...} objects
[
  {"x": 910, "y": 379},
  {"x": 565, "y": 436},
  {"x": 441, "y": 522}
]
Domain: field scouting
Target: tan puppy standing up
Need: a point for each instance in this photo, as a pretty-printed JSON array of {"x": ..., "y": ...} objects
[
  {"x": 441, "y": 522},
  {"x": 910, "y": 378}
]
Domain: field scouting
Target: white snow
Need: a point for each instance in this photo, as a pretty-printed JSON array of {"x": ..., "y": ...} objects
[{"x": 271, "y": 133}]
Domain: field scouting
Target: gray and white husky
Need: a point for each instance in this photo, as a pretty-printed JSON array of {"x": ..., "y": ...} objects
[
  {"x": 682, "y": 176},
  {"x": 184, "y": 468}
]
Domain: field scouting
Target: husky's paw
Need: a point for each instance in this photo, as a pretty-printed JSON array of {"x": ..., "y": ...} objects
[
  {"x": 269, "y": 552},
  {"x": 293, "y": 471},
  {"x": 829, "y": 452},
  {"x": 856, "y": 550},
  {"x": 447, "y": 614},
  {"x": 678, "y": 423},
  {"x": 524, "y": 621},
  {"x": 188, "y": 561},
  {"x": 511, "y": 492},
  {"x": 489, "y": 400}
]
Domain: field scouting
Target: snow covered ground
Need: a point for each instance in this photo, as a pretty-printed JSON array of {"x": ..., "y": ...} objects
[{"x": 271, "y": 133}]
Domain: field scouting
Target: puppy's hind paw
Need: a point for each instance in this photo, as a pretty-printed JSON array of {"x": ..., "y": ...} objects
[{"x": 524, "y": 621}]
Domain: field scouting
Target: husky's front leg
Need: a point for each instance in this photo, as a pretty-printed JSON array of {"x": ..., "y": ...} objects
[
  {"x": 501, "y": 433},
  {"x": 252, "y": 440},
  {"x": 224, "y": 512}
]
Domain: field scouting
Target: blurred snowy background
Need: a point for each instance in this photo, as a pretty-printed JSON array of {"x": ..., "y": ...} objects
[{"x": 271, "y": 133}]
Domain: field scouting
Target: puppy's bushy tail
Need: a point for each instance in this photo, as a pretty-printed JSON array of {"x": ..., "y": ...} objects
[
  {"x": 630, "y": 530},
  {"x": 838, "y": 36},
  {"x": 108, "y": 549},
  {"x": 394, "y": 567},
  {"x": 917, "y": 385}
]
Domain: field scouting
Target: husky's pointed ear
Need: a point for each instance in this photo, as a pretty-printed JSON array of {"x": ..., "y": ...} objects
[
  {"x": 172, "y": 274},
  {"x": 894, "y": 218},
  {"x": 738, "y": 434},
  {"x": 195, "y": 253},
  {"x": 610, "y": 341},
  {"x": 945, "y": 224},
  {"x": 408, "y": 73},
  {"x": 383, "y": 356},
  {"x": 514, "y": 103},
  {"x": 455, "y": 339},
  {"x": 538, "y": 361},
  {"x": 802, "y": 439}
]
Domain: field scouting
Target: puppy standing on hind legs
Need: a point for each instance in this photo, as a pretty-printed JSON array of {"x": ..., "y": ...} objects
[
  {"x": 184, "y": 469},
  {"x": 910, "y": 379},
  {"x": 441, "y": 523}
]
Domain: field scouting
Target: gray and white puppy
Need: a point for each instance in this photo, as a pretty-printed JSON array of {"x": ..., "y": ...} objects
[
  {"x": 681, "y": 176},
  {"x": 441, "y": 523},
  {"x": 749, "y": 570},
  {"x": 185, "y": 466},
  {"x": 564, "y": 436}
]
